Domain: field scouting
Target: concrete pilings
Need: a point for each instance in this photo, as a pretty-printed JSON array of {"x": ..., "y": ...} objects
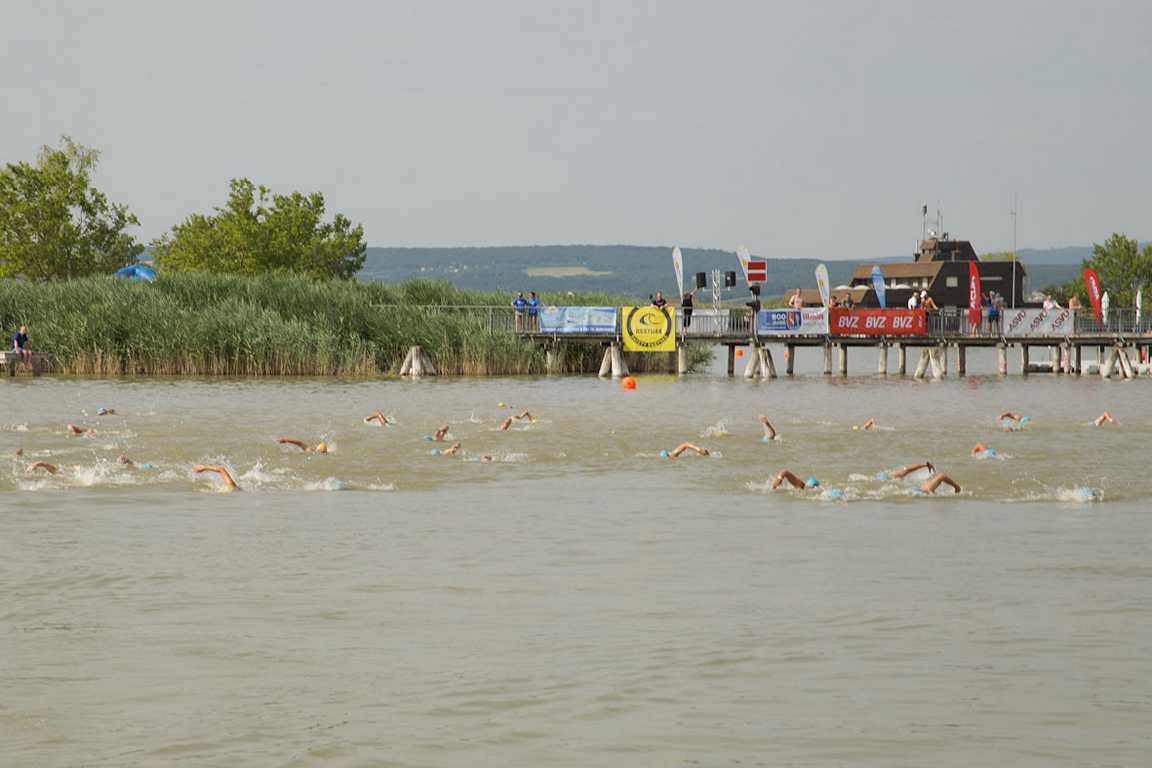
[
  {"x": 417, "y": 363},
  {"x": 613, "y": 362}
]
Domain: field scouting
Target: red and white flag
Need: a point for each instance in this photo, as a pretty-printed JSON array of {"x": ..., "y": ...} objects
[
  {"x": 1092, "y": 283},
  {"x": 973, "y": 294},
  {"x": 757, "y": 271}
]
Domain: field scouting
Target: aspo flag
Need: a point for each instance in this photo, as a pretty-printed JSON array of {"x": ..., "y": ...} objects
[
  {"x": 878, "y": 286},
  {"x": 1092, "y": 283},
  {"x": 678, "y": 265},
  {"x": 822, "y": 283},
  {"x": 1139, "y": 301},
  {"x": 973, "y": 294}
]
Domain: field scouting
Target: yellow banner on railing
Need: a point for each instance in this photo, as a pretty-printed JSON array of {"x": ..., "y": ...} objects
[{"x": 648, "y": 329}]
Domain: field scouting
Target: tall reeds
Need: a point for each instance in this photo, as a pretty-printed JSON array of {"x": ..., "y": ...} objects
[{"x": 194, "y": 324}]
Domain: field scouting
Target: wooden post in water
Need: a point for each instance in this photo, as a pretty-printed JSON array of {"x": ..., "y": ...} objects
[
  {"x": 426, "y": 363},
  {"x": 843, "y": 359},
  {"x": 606, "y": 363},
  {"x": 619, "y": 367},
  {"x": 731, "y": 360},
  {"x": 882, "y": 359},
  {"x": 1125, "y": 363},
  {"x": 406, "y": 366},
  {"x": 790, "y": 362},
  {"x": 827, "y": 358},
  {"x": 939, "y": 360},
  {"x": 961, "y": 360},
  {"x": 902, "y": 359},
  {"x": 1108, "y": 364},
  {"x": 551, "y": 358},
  {"x": 681, "y": 359},
  {"x": 1023, "y": 359},
  {"x": 767, "y": 364},
  {"x": 1002, "y": 359},
  {"x": 753, "y": 365},
  {"x": 922, "y": 366},
  {"x": 1078, "y": 359}
]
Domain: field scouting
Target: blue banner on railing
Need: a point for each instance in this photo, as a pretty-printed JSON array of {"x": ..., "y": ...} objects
[
  {"x": 578, "y": 320},
  {"x": 809, "y": 321}
]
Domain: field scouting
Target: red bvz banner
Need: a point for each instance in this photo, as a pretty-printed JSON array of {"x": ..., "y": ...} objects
[{"x": 878, "y": 322}]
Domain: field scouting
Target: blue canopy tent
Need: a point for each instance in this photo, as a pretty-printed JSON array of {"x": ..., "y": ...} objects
[{"x": 136, "y": 272}]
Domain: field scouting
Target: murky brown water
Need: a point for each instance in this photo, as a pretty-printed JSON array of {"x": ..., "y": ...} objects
[{"x": 578, "y": 601}]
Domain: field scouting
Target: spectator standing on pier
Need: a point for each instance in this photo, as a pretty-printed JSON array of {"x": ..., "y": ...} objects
[
  {"x": 926, "y": 302},
  {"x": 518, "y": 305},
  {"x": 659, "y": 301},
  {"x": 914, "y": 300},
  {"x": 993, "y": 312},
  {"x": 686, "y": 302},
  {"x": 533, "y": 311},
  {"x": 795, "y": 301},
  {"x": 1074, "y": 302},
  {"x": 20, "y": 344}
]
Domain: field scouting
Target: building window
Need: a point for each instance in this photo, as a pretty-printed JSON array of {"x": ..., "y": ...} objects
[{"x": 951, "y": 282}]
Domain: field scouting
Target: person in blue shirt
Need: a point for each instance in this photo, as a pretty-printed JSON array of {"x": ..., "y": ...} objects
[
  {"x": 20, "y": 343},
  {"x": 518, "y": 305},
  {"x": 533, "y": 311}
]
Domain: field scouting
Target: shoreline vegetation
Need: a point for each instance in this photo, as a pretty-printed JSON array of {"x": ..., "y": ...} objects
[{"x": 190, "y": 324}]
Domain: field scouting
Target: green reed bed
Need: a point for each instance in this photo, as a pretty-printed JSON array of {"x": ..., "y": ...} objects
[{"x": 281, "y": 325}]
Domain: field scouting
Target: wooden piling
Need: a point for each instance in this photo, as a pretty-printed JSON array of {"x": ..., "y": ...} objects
[
  {"x": 938, "y": 358},
  {"x": 922, "y": 366},
  {"x": 681, "y": 359},
  {"x": 1023, "y": 359},
  {"x": 902, "y": 359},
  {"x": 961, "y": 360},
  {"x": 753, "y": 365},
  {"x": 790, "y": 359},
  {"x": 827, "y": 358},
  {"x": 1125, "y": 363},
  {"x": 606, "y": 363},
  {"x": 882, "y": 359},
  {"x": 767, "y": 364},
  {"x": 1108, "y": 364},
  {"x": 731, "y": 359},
  {"x": 843, "y": 359},
  {"x": 1078, "y": 359},
  {"x": 1002, "y": 359}
]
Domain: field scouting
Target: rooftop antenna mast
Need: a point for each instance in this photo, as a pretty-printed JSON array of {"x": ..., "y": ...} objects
[
  {"x": 924, "y": 222},
  {"x": 1014, "y": 213}
]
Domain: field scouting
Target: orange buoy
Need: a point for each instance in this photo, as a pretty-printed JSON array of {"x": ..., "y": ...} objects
[
  {"x": 739, "y": 352},
  {"x": 628, "y": 382}
]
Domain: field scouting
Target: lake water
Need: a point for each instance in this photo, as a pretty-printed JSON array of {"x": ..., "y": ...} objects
[{"x": 578, "y": 601}]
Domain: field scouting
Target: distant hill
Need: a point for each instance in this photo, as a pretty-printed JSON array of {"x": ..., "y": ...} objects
[{"x": 635, "y": 270}]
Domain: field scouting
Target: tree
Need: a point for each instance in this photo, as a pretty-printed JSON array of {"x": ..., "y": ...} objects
[
  {"x": 258, "y": 232},
  {"x": 55, "y": 224},
  {"x": 1122, "y": 268}
]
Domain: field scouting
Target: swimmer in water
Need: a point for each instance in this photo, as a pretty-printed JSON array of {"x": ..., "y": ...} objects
[
  {"x": 1011, "y": 416},
  {"x": 504, "y": 425},
  {"x": 787, "y": 476},
  {"x": 379, "y": 419},
  {"x": 1105, "y": 418},
  {"x": 225, "y": 475},
  {"x": 936, "y": 481},
  {"x": 678, "y": 450},
  {"x": 769, "y": 430},
  {"x": 438, "y": 435},
  {"x": 124, "y": 461},
  {"x": 455, "y": 449},
  {"x": 321, "y": 447},
  {"x": 105, "y": 411},
  {"x": 528, "y": 416},
  {"x": 51, "y": 469},
  {"x": 17, "y": 453},
  {"x": 902, "y": 472},
  {"x": 870, "y": 424},
  {"x": 75, "y": 430},
  {"x": 982, "y": 451}
]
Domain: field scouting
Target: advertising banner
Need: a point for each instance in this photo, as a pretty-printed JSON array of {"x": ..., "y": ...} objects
[
  {"x": 1092, "y": 283},
  {"x": 878, "y": 322},
  {"x": 678, "y": 265},
  {"x": 792, "y": 322},
  {"x": 973, "y": 294},
  {"x": 823, "y": 284},
  {"x": 648, "y": 329},
  {"x": 578, "y": 320},
  {"x": 878, "y": 286},
  {"x": 1021, "y": 323}
]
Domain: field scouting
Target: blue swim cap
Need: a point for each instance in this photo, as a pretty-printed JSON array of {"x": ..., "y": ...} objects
[
  {"x": 145, "y": 465},
  {"x": 427, "y": 438},
  {"x": 882, "y": 476},
  {"x": 766, "y": 439},
  {"x": 435, "y": 451},
  {"x": 989, "y": 452},
  {"x": 101, "y": 411},
  {"x": 833, "y": 493},
  {"x": 1084, "y": 493},
  {"x": 812, "y": 482},
  {"x": 664, "y": 454},
  {"x": 1025, "y": 419}
]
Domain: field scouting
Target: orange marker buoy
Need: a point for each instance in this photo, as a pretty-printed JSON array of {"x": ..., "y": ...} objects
[
  {"x": 628, "y": 382},
  {"x": 739, "y": 352}
]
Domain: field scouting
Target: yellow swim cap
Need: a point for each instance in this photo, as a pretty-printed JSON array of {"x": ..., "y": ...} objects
[
  {"x": 322, "y": 448},
  {"x": 855, "y": 427}
]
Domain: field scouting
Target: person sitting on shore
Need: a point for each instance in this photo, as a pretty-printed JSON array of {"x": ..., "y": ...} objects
[
  {"x": 870, "y": 424},
  {"x": 931, "y": 484},
  {"x": 379, "y": 419},
  {"x": 902, "y": 472},
  {"x": 321, "y": 447},
  {"x": 769, "y": 430},
  {"x": 680, "y": 449},
  {"x": 225, "y": 475},
  {"x": 51, "y": 469},
  {"x": 75, "y": 430},
  {"x": 20, "y": 346},
  {"x": 1105, "y": 418}
]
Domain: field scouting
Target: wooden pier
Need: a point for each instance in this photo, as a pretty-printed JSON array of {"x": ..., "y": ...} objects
[{"x": 34, "y": 364}]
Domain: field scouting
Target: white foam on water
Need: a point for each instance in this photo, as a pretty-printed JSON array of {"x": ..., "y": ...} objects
[
  {"x": 1079, "y": 495},
  {"x": 719, "y": 429},
  {"x": 327, "y": 484}
]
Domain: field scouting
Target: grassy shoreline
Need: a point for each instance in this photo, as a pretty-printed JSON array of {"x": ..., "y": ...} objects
[{"x": 202, "y": 325}]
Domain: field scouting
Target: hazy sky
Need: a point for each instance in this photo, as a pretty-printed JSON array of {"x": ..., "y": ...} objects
[{"x": 801, "y": 129}]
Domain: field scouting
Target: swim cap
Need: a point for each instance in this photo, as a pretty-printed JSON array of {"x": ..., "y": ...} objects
[
  {"x": 435, "y": 451},
  {"x": 989, "y": 452},
  {"x": 322, "y": 448},
  {"x": 765, "y": 439},
  {"x": 882, "y": 476},
  {"x": 664, "y": 454},
  {"x": 855, "y": 427},
  {"x": 501, "y": 404},
  {"x": 812, "y": 482},
  {"x": 145, "y": 465},
  {"x": 428, "y": 438},
  {"x": 833, "y": 493},
  {"x": 1025, "y": 419},
  {"x": 1084, "y": 493},
  {"x": 101, "y": 411}
]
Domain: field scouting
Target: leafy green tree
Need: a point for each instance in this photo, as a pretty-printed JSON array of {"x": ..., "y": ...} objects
[
  {"x": 258, "y": 232},
  {"x": 1120, "y": 264},
  {"x": 55, "y": 224}
]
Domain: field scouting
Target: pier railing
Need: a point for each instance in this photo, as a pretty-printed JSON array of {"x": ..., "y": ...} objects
[{"x": 739, "y": 322}]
